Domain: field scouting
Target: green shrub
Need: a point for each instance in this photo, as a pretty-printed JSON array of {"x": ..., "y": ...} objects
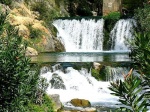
[
  {"x": 18, "y": 81},
  {"x": 47, "y": 12},
  {"x": 131, "y": 93},
  {"x": 140, "y": 52},
  {"x": 6, "y": 2},
  {"x": 46, "y": 106},
  {"x": 142, "y": 16},
  {"x": 95, "y": 73}
]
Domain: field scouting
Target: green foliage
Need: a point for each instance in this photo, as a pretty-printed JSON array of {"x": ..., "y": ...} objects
[
  {"x": 95, "y": 73},
  {"x": 46, "y": 106},
  {"x": 140, "y": 51},
  {"x": 110, "y": 21},
  {"x": 142, "y": 15},
  {"x": 18, "y": 82},
  {"x": 113, "y": 16},
  {"x": 34, "y": 33},
  {"x": 130, "y": 93},
  {"x": 47, "y": 12},
  {"x": 84, "y": 7},
  {"x": 6, "y": 2}
]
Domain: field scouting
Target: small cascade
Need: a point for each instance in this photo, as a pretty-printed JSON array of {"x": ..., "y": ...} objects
[
  {"x": 114, "y": 73},
  {"x": 80, "y": 35},
  {"x": 71, "y": 83},
  {"x": 122, "y": 33}
]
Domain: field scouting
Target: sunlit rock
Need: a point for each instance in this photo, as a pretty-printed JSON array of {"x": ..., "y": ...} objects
[
  {"x": 31, "y": 52},
  {"x": 80, "y": 102}
]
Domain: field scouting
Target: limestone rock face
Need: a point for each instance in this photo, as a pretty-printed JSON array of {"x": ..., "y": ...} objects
[
  {"x": 56, "y": 101},
  {"x": 31, "y": 52},
  {"x": 111, "y": 6},
  {"x": 28, "y": 25},
  {"x": 80, "y": 102},
  {"x": 4, "y": 8}
]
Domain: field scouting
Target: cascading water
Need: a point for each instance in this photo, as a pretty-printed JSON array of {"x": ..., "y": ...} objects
[
  {"x": 114, "y": 73},
  {"x": 121, "y": 33},
  {"x": 71, "y": 83},
  {"x": 80, "y": 35},
  {"x": 87, "y": 35}
]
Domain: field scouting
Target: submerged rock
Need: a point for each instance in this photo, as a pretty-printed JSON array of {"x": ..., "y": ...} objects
[
  {"x": 80, "y": 102},
  {"x": 57, "y": 82}
]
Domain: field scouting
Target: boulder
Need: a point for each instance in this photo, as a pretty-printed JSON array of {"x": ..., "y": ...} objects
[
  {"x": 97, "y": 66},
  {"x": 31, "y": 52},
  {"x": 80, "y": 102},
  {"x": 56, "y": 101}
]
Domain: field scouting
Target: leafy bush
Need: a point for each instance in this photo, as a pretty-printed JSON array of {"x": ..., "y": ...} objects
[
  {"x": 142, "y": 16},
  {"x": 46, "y": 106},
  {"x": 47, "y": 13},
  {"x": 140, "y": 52},
  {"x": 18, "y": 83},
  {"x": 131, "y": 93},
  {"x": 18, "y": 78}
]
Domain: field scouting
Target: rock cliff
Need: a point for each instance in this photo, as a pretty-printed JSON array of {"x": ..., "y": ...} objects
[{"x": 32, "y": 28}]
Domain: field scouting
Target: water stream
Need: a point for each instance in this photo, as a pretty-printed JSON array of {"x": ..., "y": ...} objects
[{"x": 83, "y": 41}]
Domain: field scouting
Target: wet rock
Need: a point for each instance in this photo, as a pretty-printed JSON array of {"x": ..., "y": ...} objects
[
  {"x": 57, "y": 82},
  {"x": 56, "y": 101},
  {"x": 80, "y": 103}
]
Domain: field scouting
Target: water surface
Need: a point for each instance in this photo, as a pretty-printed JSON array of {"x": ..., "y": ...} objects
[{"x": 105, "y": 56}]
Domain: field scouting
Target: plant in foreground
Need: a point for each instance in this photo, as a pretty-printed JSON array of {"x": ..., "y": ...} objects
[{"x": 132, "y": 93}]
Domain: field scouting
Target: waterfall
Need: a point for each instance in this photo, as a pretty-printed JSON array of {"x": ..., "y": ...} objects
[
  {"x": 87, "y": 35},
  {"x": 122, "y": 33},
  {"x": 71, "y": 83},
  {"x": 114, "y": 73},
  {"x": 80, "y": 35}
]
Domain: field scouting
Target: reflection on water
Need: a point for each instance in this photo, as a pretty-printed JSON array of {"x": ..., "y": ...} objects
[{"x": 82, "y": 57}]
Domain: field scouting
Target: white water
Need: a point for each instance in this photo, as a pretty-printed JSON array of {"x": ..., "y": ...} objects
[
  {"x": 80, "y": 35},
  {"x": 80, "y": 84},
  {"x": 87, "y": 35},
  {"x": 122, "y": 33},
  {"x": 114, "y": 73}
]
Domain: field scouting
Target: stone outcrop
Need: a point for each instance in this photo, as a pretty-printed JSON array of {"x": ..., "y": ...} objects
[
  {"x": 111, "y": 6},
  {"x": 97, "y": 66},
  {"x": 28, "y": 25},
  {"x": 31, "y": 52},
  {"x": 80, "y": 102}
]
